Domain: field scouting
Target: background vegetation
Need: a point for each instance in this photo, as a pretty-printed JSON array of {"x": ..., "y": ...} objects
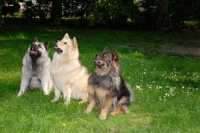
[
  {"x": 116, "y": 14},
  {"x": 165, "y": 85}
]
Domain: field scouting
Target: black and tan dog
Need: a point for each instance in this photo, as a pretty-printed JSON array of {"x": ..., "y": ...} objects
[{"x": 106, "y": 86}]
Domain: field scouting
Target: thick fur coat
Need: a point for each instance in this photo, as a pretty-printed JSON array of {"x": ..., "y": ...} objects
[
  {"x": 35, "y": 69},
  {"x": 70, "y": 77},
  {"x": 106, "y": 86}
]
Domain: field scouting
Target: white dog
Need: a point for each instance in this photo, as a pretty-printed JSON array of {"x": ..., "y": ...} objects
[{"x": 69, "y": 76}]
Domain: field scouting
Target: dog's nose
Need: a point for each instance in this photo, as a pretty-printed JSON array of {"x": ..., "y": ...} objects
[{"x": 56, "y": 40}]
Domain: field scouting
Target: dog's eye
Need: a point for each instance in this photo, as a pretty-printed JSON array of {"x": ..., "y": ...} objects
[
  {"x": 65, "y": 43},
  {"x": 39, "y": 45}
]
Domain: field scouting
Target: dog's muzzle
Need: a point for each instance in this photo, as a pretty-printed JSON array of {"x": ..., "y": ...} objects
[
  {"x": 57, "y": 49},
  {"x": 98, "y": 63},
  {"x": 33, "y": 49}
]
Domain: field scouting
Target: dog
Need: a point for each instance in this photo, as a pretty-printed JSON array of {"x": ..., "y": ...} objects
[
  {"x": 106, "y": 86},
  {"x": 70, "y": 77},
  {"x": 35, "y": 69}
]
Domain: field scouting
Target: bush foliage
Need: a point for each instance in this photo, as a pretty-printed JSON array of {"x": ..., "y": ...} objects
[{"x": 123, "y": 14}]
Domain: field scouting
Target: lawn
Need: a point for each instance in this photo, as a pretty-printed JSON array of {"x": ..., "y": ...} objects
[{"x": 165, "y": 85}]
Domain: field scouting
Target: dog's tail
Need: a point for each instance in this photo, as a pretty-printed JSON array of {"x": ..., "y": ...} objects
[
  {"x": 130, "y": 91},
  {"x": 126, "y": 99}
]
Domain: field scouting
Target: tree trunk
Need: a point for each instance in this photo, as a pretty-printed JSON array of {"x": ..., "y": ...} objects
[
  {"x": 163, "y": 18},
  {"x": 56, "y": 11}
]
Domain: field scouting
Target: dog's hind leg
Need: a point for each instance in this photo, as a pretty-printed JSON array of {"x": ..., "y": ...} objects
[
  {"x": 57, "y": 94},
  {"x": 120, "y": 110},
  {"x": 23, "y": 86},
  {"x": 82, "y": 101},
  {"x": 84, "y": 97}
]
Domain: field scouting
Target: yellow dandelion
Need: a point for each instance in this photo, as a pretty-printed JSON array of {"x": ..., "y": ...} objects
[{"x": 64, "y": 125}]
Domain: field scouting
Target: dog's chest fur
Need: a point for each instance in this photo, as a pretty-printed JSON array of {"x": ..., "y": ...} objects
[
  {"x": 37, "y": 67},
  {"x": 63, "y": 69},
  {"x": 106, "y": 81}
]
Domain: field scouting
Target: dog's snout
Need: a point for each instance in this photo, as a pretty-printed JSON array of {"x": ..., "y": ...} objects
[{"x": 34, "y": 47}]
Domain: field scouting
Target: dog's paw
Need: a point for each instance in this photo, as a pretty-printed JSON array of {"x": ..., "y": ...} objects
[
  {"x": 86, "y": 112},
  {"x": 102, "y": 117},
  {"x": 20, "y": 93},
  {"x": 113, "y": 113},
  {"x": 46, "y": 93},
  {"x": 55, "y": 99},
  {"x": 83, "y": 101},
  {"x": 66, "y": 103}
]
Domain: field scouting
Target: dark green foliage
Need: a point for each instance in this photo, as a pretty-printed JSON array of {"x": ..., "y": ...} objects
[
  {"x": 1, "y": 19},
  {"x": 182, "y": 10},
  {"x": 9, "y": 7},
  {"x": 110, "y": 14},
  {"x": 40, "y": 9}
]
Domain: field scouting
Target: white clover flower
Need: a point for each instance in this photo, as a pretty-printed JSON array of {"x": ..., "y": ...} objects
[
  {"x": 156, "y": 87},
  {"x": 160, "y": 98},
  {"x": 138, "y": 87}
]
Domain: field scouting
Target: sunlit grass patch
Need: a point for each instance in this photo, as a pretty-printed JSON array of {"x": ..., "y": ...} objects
[{"x": 165, "y": 89}]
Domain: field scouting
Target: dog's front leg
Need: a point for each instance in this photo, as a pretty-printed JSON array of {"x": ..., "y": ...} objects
[
  {"x": 44, "y": 85},
  {"x": 57, "y": 94},
  {"x": 67, "y": 94},
  {"x": 90, "y": 106},
  {"x": 107, "y": 102},
  {"x": 24, "y": 84}
]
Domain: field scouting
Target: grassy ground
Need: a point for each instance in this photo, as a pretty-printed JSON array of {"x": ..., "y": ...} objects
[{"x": 165, "y": 85}]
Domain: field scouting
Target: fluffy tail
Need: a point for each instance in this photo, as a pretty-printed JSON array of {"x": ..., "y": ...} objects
[{"x": 131, "y": 92}]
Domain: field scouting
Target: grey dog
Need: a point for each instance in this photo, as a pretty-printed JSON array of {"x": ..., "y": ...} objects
[{"x": 35, "y": 69}]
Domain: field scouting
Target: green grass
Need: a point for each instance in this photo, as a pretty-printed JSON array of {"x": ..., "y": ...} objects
[{"x": 165, "y": 85}]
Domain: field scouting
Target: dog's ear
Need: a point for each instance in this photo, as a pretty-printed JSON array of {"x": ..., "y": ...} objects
[
  {"x": 74, "y": 42},
  {"x": 66, "y": 35},
  {"x": 35, "y": 40},
  {"x": 46, "y": 45},
  {"x": 115, "y": 56},
  {"x": 106, "y": 48}
]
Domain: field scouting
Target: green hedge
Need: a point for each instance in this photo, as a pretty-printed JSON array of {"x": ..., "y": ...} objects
[{"x": 1, "y": 19}]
